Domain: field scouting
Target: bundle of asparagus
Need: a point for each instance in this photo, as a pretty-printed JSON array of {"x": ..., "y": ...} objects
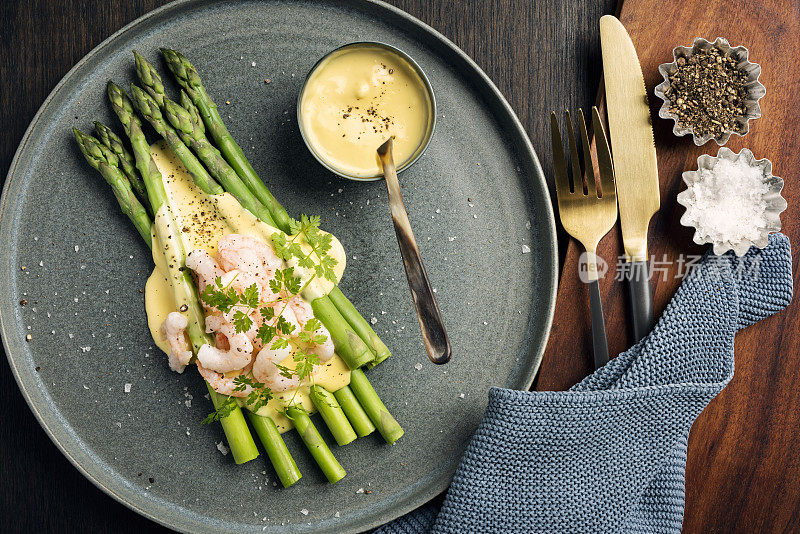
[{"x": 218, "y": 166}]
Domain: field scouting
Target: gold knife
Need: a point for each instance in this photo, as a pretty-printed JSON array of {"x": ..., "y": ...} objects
[{"x": 634, "y": 154}]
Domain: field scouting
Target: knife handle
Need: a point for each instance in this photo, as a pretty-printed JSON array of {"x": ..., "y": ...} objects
[
  {"x": 641, "y": 299},
  {"x": 599, "y": 341}
]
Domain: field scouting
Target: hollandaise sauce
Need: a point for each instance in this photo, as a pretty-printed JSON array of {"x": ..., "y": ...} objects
[{"x": 355, "y": 99}]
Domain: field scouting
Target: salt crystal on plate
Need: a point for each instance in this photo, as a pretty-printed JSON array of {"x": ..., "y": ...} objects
[
  {"x": 128, "y": 388},
  {"x": 222, "y": 448},
  {"x": 304, "y": 511},
  {"x": 525, "y": 249},
  {"x": 418, "y": 366}
]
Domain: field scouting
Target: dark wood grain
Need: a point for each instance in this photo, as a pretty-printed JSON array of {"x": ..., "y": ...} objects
[
  {"x": 743, "y": 468},
  {"x": 542, "y": 56}
]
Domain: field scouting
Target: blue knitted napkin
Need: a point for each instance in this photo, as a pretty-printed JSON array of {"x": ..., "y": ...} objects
[{"x": 609, "y": 455}]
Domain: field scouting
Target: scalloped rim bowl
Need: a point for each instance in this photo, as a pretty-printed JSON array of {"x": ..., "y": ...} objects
[
  {"x": 775, "y": 202},
  {"x": 755, "y": 89}
]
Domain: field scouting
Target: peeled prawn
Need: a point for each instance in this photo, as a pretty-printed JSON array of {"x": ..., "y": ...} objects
[
  {"x": 204, "y": 266},
  {"x": 265, "y": 370},
  {"x": 250, "y": 255},
  {"x": 238, "y": 355},
  {"x": 173, "y": 330},
  {"x": 222, "y": 384}
]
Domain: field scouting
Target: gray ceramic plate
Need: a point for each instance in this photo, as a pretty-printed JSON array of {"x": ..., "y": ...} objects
[{"x": 469, "y": 199}]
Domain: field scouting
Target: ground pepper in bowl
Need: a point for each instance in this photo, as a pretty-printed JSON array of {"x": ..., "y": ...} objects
[
  {"x": 708, "y": 93},
  {"x": 710, "y": 90}
]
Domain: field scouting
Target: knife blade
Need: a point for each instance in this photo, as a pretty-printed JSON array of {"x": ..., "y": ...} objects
[{"x": 635, "y": 164}]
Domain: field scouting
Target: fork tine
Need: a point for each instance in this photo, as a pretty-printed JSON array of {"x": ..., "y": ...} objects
[
  {"x": 577, "y": 176},
  {"x": 559, "y": 163},
  {"x": 591, "y": 183},
  {"x": 604, "y": 162}
]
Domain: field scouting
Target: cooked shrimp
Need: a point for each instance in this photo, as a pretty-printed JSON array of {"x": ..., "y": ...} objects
[
  {"x": 238, "y": 355},
  {"x": 248, "y": 254},
  {"x": 204, "y": 266},
  {"x": 222, "y": 384},
  {"x": 304, "y": 313},
  {"x": 217, "y": 324},
  {"x": 265, "y": 370},
  {"x": 173, "y": 331}
]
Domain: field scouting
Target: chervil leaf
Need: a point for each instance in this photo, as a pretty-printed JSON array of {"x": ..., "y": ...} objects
[
  {"x": 220, "y": 297},
  {"x": 275, "y": 285},
  {"x": 284, "y": 371},
  {"x": 293, "y": 286},
  {"x": 294, "y": 250},
  {"x": 284, "y": 326},
  {"x": 222, "y": 412},
  {"x": 306, "y": 262},
  {"x": 330, "y": 275},
  {"x": 266, "y": 333},
  {"x": 267, "y": 312},
  {"x": 279, "y": 343},
  {"x": 258, "y": 397},
  {"x": 294, "y": 226},
  {"x": 241, "y": 321},
  {"x": 279, "y": 244},
  {"x": 250, "y": 296},
  {"x": 305, "y": 363}
]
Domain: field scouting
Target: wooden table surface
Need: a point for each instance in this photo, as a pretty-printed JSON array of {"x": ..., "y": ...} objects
[{"x": 543, "y": 55}]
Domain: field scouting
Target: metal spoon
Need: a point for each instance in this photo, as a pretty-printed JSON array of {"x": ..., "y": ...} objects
[{"x": 430, "y": 319}]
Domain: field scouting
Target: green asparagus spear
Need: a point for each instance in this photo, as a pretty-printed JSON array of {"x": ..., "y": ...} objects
[
  {"x": 126, "y": 162},
  {"x": 150, "y": 78},
  {"x": 189, "y": 80},
  {"x": 240, "y": 441},
  {"x": 333, "y": 415},
  {"x": 315, "y": 444},
  {"x": 237, "y": 434},
  {"x": 346, "y": 342},
  {"x": 389, "y": 428},
  {"x": 132, "y": 125},
  {"x": 276, "y": 449},
  {"x": 360, "y": 325},
  {"x": 93, "y": 151},
  {"x": 192, "y": 133},
  {"x": 349, "y": 342},
  {"x": 149, "y": 109},
  {"x": 195, "y": 137},
  {"x": 354, "y": 412}
]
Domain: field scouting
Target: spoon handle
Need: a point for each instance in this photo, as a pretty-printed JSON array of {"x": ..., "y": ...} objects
[{"x": 434, "y": 335}]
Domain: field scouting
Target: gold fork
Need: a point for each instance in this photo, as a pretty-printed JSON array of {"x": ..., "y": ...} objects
[{"x": 587, "y": 211}]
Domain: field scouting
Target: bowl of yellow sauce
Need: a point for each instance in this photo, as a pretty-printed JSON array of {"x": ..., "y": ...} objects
[{"x": 358, "y": 96}]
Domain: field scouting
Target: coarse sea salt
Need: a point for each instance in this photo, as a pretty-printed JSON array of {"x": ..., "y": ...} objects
[{"x": 727, "y": 202}]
